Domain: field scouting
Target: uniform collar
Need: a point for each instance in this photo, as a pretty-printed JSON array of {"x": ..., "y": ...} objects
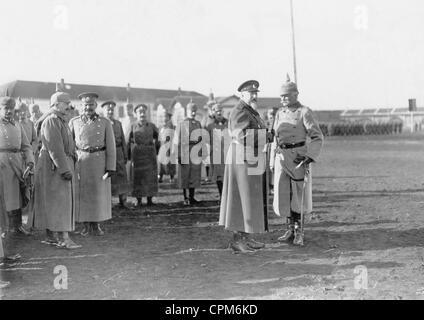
[
  {"x": 294, "y": 106},
  {"x": 249, "y": 107},
  {"x": 87, "y": 119}
]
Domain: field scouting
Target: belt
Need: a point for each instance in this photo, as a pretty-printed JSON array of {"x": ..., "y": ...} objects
[
  {"x": 292, "y": 145},
  {"x": 92, "y": 149},
  {"x": 9, "y": 150}
]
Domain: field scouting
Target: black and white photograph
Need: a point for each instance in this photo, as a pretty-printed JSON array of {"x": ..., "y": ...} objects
[{"x": 218, "y": 151}]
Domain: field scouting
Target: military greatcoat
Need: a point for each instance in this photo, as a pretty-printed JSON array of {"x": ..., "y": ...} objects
[
  {"x": 95, "y": 144},
  {"x": 54, "y": 197},
  {"x": 15, "y": 154},
  {"x": 120, "y": 183},
  {"x": 294, "y": 125},
  {"x": 189, "y": 165},
  {"x": 144, "y": 159},
  {"x": 244, "y": 197},
  {"x": 3, "y": 212},
  {"x": 166, "y": 135},
  {"x": 219, "y": 140}
]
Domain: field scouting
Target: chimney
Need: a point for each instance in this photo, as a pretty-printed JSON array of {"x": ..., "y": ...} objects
[
  {"x": 179, "y": 91},
  {"x": 62, "y": 84},
  {"x": 211, "y": 96},
  {"x": 128, "y": 92},
  {"x": 57, "y": 87}
]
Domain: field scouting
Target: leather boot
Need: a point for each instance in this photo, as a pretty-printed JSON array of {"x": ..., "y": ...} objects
[
  {"x": 97, "y": 231},
  {"x": 289, "y": 234},
  {"x": 298, "y": 235},
  {"x": 86, "y": 229}
]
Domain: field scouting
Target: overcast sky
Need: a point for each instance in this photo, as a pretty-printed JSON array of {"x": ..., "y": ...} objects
[{"x": 350, "y": 54}]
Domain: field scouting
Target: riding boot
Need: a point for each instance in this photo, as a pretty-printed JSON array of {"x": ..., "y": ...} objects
[
  {"x": 191, "y": 197},
  {"x": 298, "y": 234},
  {"x": 219, "y": 185},
  {"x": 86, "y": 229},
  {"x": 97, "y": 231},
  {"x": 289, "y": 234}
]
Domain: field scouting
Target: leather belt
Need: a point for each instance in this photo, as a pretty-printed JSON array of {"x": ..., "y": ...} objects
[
  {"x": 9, "y": 150},
  {"x": 292, "y": 145},
  {"x": 92, "y": 149}
]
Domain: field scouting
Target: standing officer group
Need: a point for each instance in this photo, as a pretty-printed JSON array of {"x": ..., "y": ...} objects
[{"x": 297, "y": 142}]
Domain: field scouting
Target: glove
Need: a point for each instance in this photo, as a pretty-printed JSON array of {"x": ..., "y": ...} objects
[
  {"x": 67, "y": 176},
  {"x": 306, "y": 160},
  {"x": 108, "y": 174}
]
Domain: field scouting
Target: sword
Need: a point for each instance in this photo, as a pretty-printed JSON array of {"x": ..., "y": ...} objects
[{"x": 302, "y": 213}]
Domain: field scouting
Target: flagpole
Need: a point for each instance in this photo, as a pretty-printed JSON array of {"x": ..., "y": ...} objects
[{"x": 293, "y": 41}]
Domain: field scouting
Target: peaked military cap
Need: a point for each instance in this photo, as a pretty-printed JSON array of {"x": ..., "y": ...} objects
[
  {"x": 7, "y": 102},
  {"x": 251, "y": 86},
  {"x": 106, "y": 103},
  {"x": 141, "y": 105},
  {"x": 288, "y": 87},
  {"x": 191, "y": 105},
  {"x": 88, "y": 97}
]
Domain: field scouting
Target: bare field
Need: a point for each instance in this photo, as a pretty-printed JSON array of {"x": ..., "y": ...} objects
[{"x": 364, "y": 241}]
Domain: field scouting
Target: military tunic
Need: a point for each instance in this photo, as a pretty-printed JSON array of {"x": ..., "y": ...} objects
[
  {"x": 294, "y": 125},
  {"x": 244, "y": 197},
  {"x": 93, "y": 194},
  {"x": 54, "y": 197},
  {"x": 120, "y": 183},
  {"x": 3, "y": 212},
  {"x": 219, "y": 140},
  {"x": 15, "y": 155},
  {"x": 188, "y": 168},
  {"x": 4, "y": 222},
  {"x": 166, "y": 136},
  {"x": 144, "y": 159},
  {"x": 30, "y": 132}
]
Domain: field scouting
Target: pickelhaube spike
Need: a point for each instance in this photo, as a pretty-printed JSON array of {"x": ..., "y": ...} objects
[{"x": 288, "y": 78}]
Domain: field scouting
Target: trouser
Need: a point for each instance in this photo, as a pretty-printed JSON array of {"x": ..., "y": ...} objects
[
  {"x": 15, "y": 219},
  {"x": 191, "y": 193},
  {"x": 1, "y": 245},
  {"x": 122, "y": 198},
  {"x": 219, "y": 185},
  {"x": 140, "y": 199}
]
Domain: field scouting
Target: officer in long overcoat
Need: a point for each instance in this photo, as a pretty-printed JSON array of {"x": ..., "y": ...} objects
[
  {"x": 16, "y": 158},
  {"x": 188, "y": 136},
  {"x": 244, "y": 199},
  {"x": 54, "y": 196},
  {"x": 144, "y": 137},
  {"x": 219, "y": 141},
  {"x": 95, "y": 144},
  {"x": 166, "y": 135},
  {"x": 120, "y": 184},
  {"x": 291, "y": 157}
]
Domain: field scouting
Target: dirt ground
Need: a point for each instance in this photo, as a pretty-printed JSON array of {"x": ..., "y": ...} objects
[{"x": 364, "y": 241}]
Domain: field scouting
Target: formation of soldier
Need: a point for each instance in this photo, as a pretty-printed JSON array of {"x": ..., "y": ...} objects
[
  {"x": 82, "y": 162},
  {"x": 361, "y": 128}
]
